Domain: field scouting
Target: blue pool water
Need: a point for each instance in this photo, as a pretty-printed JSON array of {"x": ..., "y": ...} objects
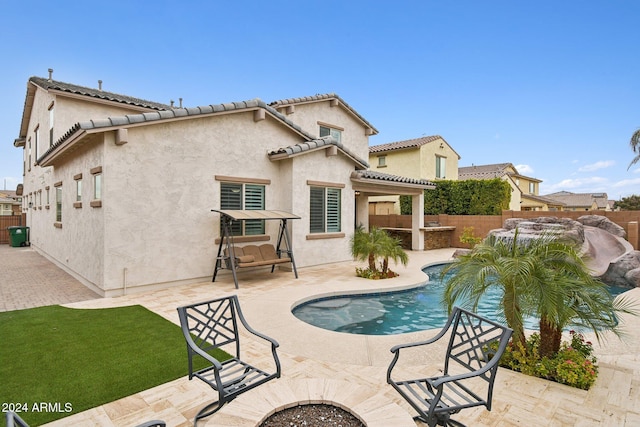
[{"x": 396, "y": 312}]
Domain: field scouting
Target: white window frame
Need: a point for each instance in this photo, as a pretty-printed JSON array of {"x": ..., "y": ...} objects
[
  {"x": 441, "y": 167},
  {"x": 335, "y": 133}
]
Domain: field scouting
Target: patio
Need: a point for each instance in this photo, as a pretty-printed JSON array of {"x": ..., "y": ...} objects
[{"x": 349, "y": 370}]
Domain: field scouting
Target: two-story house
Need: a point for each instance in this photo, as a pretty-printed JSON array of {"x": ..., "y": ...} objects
[
  {"x": 524, "y": 189},
  {"x": 429, "y": 157},
  {"x": 119, "y": 191},
  {"x": 569, "y": 201}
]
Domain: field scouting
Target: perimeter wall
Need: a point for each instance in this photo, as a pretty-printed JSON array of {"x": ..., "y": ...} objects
[{"x": 482, "y": 224}]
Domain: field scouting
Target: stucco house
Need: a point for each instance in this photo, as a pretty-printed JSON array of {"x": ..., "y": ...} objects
[
  {"x": 581, "y": 201},
  {"x": 10, "y": 203},
  {"x": 119, "y": 191},
  {"x": 524, "y": 189},
  {"x": 428, "y": 157}
]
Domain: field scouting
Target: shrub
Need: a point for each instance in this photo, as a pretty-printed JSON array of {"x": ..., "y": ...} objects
[{"x": 574, "y": 365}]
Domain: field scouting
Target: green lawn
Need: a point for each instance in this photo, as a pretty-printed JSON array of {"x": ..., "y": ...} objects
[{"x": 58, "y": 361}]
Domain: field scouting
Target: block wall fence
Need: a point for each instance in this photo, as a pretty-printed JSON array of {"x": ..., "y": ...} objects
[{"x": 482, "y": 224}]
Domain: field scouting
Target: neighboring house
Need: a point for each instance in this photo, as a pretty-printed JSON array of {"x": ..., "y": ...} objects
[
  {"x": 581, "y": 201},
  {"x": 10, "y": 203},
  {"x": 524, "y": 189},
  {"x": 429, "y": 157},
  {"x": 119, "y": 190}
]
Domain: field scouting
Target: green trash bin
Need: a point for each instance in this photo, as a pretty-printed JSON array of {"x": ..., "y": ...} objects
[{"x": 18, "y": 236}]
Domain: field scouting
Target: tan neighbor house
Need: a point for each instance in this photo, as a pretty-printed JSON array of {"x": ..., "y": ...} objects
[
  {"x": 581, "y": 201},
  {"x": 524, "y": 189},
  {"x": 429, "y": 157},
  {"x": 119, "y": 191}
]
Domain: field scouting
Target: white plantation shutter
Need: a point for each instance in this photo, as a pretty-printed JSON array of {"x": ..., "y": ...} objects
[
  {"x": 333, "y": 210},
  {"x": 253, "y": 200}
]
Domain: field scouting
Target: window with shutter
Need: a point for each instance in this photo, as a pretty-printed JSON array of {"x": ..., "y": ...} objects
[
  {"x": 243, "y": 196},
  {"x": 325, "y": 210}
]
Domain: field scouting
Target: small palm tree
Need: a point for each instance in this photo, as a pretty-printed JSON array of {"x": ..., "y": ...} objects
[
  {"x": 367, "y": 246},
  {"x": 374, "y": 245},
  {"x": 392, "y": 249},
  {"x": 542, "y": 276},
  {"x": 635, "y": 146}
]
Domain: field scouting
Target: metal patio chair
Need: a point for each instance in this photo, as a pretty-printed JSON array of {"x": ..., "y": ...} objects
[
  {"x": 212, "y": 325},
  {"x": 475, "y": 347}
]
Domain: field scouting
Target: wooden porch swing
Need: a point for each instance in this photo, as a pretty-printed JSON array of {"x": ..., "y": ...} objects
[{"x": 233, "y": 257}]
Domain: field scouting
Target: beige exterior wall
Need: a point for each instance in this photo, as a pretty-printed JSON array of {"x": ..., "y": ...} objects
[
  {"x": 155, "y": 227},
  {"x": 308, "y": 116}
]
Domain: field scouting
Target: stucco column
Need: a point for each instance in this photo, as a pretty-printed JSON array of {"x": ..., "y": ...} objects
[
  {"x": 417, "y": 222},
  {"x": 362, "y": 211}
]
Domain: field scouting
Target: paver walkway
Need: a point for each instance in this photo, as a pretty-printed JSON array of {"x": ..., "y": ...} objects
[
  {"x": 28, "y": 279},
  {"x": 350, "y": 370}
]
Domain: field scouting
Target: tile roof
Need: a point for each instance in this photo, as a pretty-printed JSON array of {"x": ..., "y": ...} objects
[
  {"x": 497, "y": 170},
  {"x": 575, "y": 200},
  {"x": 323, "y": 97},
  {"x": 400, "y": 145},
  {"x": 379, "y": 176},
  {"x": 97, "y": 93},
  {"x": 175, "y": 113},
  {"x": 312, "y": 145}
]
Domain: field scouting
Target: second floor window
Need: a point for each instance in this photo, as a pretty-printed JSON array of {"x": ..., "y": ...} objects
[
  {"x": 382, "y": 161},
  {"x": 243, "y": 197},
  {"x": 441, "y": 167},
  {"x": 328, "y": 131},
  {"x": 532, "y": 188}
]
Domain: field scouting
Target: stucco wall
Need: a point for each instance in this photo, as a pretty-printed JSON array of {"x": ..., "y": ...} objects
[{"x": 308, "y": 115}]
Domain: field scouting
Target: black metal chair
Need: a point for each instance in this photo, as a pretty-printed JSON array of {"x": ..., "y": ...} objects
[
  {"x": 475, "y": 347},
  {"x": 14, "y": 420},
  {"x": 212, "y": 325}
]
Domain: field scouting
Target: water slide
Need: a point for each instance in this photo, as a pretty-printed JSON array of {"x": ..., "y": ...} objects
[{"x": 601, "y": 248}]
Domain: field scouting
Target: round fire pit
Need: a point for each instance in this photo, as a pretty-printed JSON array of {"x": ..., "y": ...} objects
[{"x": 313, "y": 415}]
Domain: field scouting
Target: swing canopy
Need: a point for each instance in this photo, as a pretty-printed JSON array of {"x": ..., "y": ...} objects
[{"x": 242, "y": 215}]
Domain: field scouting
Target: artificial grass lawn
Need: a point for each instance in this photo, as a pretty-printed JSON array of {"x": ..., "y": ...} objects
[{"x": 58, "y": 361}]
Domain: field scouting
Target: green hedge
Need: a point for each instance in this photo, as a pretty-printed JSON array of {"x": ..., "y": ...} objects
[{"x": 470, "y": 197}]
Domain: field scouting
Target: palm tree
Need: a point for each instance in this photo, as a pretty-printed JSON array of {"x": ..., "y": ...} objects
[
  {"x": 392, "y": 249},
  {"x": 368, "y": 246},
  {"x": 542, "y": 276},
  {"x": 635, "y": 146}
]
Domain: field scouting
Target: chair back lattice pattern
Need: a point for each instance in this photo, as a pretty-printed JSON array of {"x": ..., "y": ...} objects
[
  {"x": 473, "y": 343},
  {"x": 213, "y": 324}
]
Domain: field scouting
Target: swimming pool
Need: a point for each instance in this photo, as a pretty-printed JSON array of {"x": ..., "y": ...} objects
[{"x": 396, "y": 312}]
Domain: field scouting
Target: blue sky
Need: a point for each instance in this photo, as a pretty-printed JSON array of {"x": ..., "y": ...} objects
[{"x": 550, "y": 86}]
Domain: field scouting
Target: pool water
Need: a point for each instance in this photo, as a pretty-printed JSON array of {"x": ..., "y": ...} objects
[{"x": 397, "y": 312}]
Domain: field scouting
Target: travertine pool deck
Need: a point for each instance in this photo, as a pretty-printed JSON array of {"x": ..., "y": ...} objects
[{"x": 350, "y": 370}]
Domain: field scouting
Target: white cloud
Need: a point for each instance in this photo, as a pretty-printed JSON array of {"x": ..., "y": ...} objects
[
  {"x": 580, "y": 185},
  {"x": 524, "y": 169},
  {"x": 602, "y": 164},
  {"x": 627, "y": 182}
]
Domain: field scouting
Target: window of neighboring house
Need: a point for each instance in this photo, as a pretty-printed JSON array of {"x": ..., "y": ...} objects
[
  {"x": 29, "y": 155},
  {"x": 331, "y": 131},
  {"x": 47, "y": 197},
  {"x": 441, "y": 167},
  {"x": 532, "y": 188},
  {"x": 59, "y": 202},
  {"x": 382, "y": 161},
  {"x": 78, "y": 202},
  {"x": 245, "y": 196},
  {"x": 51, "y": 115},
  {"x": 325, "y": 210}
]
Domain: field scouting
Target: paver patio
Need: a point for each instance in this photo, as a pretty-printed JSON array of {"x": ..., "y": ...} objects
[{"x": 350, "y": 370}]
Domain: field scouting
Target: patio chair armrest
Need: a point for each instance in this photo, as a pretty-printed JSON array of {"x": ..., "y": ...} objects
[
  {"x": 397, "y": 348},
  {"x": 471, "y": 374}
]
